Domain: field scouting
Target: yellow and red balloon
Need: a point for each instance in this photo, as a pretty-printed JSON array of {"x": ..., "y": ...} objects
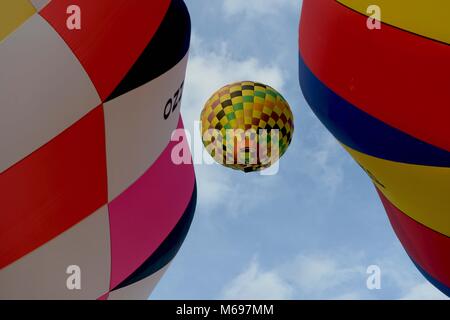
[{"x": 385, "y": 95}]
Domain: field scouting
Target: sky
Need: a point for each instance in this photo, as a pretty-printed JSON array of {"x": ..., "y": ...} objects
[{"x": 308, "y": 232}]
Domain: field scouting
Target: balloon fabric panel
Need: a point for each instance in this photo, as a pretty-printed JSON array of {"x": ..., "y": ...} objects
[
  {"x": 118, "y": 55},
  {"x": 384, "y": 94}
]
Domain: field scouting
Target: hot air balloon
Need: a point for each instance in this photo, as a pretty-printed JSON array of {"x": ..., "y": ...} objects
[
  {"x": 384, "y": 93},
  {"x": 91, "y": 204},
  {"x": 247, "y": 126}
]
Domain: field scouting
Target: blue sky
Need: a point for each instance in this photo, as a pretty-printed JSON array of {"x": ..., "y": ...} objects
[{"x": 309, "y": 232}]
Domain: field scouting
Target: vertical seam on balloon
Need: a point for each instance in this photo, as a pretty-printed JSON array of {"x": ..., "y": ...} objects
[{"x": 74, "y": 55}]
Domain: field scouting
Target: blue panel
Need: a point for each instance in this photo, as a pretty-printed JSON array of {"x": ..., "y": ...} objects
[{"x": 445, "y": 290}]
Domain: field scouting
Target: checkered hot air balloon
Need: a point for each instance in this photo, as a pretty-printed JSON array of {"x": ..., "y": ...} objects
[
  {"x": 86, "y": 176},
  {"x": 385, "y": 95},
  {"x": 232, "y": 121}
]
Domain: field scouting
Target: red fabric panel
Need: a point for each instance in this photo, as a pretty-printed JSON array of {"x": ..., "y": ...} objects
[
  {"x": 53, "y": 188},
  {"x": 426, "y": 247},
  {"x": 397, "y": 77},
  {"x": 113, "y": 35}
]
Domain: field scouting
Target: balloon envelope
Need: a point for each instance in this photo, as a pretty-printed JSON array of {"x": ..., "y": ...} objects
[
  {"x": 92, "y": 205},
  {"x": 384, "y": 94},
  {"x": 247, "y": 126}
]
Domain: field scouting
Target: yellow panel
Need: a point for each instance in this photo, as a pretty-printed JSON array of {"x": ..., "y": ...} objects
[
  {"x": 12, "y": 14},
  {"x": 428, "y": 18},
  {"x": 421, "y": 192}
]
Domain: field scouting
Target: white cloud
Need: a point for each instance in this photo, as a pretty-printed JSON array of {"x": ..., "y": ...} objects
[
  {"x": 305, "y": 277},
  {"x": 255, "y": 283},
  {"x": 424, "y": 291},
  {"x": 349, "y": 296},
  {"x": 410, "y": 283},
  {"x": 212, "y": 186},
  {"x": 212, "y": 65},
  {"x": 322, "y": 159},
  {"x": 256, "y": 8},
  {"x": 339, "y": 276},
  {"x": 316, "y": 274}
]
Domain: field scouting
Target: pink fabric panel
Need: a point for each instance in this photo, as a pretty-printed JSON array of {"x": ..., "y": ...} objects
[
  {"x": 143, "y": 215},
  {"x": 104, "y": 297}
]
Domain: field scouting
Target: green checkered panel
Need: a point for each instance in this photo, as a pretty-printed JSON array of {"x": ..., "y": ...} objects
[{"x": 241, "y": 109}]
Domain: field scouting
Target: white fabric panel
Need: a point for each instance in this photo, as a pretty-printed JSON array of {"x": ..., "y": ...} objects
[
  {"x": 140, "y": 290},
  {"x": 136, "y": 131},
  {"x": 43, "y": 90},
  {"x": 42, "y": 273},
  {"x": 39, "y": 4}
]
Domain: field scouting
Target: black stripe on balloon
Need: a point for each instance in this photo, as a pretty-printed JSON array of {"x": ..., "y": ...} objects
[
  {"x": 168, "y": 46},
  {"x": 168, "y": 248}
]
